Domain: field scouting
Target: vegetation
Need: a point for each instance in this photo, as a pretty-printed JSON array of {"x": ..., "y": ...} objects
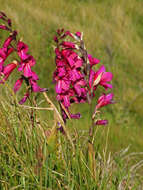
[{"x": 40, "y": 158}]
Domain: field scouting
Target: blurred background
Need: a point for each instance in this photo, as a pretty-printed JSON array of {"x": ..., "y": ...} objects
[{"x": 113, "y": 33}]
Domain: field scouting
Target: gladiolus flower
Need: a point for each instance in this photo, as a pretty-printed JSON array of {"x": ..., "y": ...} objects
[
  {"x": 22, "y": 50},
  {"x": 18, "y": 84},
  {"x": 7, "y": 70},
  {"x": 23, "y": 100},
  {"x": 100, "y": 78},
  {"x": 3, "y": 27},
  {"x": 93, "y": 61},
  {"x": 101, "y": 122},
  {"x": 104, "y": 100},
  {"x": 75, "y": 79},
  {"x": 68, "y": 45},
  {"x": 78, "y": 34}
]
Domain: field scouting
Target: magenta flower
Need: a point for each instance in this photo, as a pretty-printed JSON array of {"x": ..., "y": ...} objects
[
  {"x": 64, "y": 99},
  {"x": 22, "y": 50},
  {"x": 75, "y": 116},
  {"x": 3, "y": 27},
  {"x": 3, "y": 55},
  {"x": 78, "y": 34},
  {"x": 100, "y": 77},
  {"x": 7, "y": 70},
  {"x": 27, "y": 61},
  {"x": 23, "y": 100},
  {"x": 101, "y": 122},
  {"x": 104, "y": 100},
  {"x": 5, "y": 51},
  {"x": 18, "y": 84},
  {"x": 24, "y": 64},
  {"x": 8, "y": 41},
  {"x": 68, "y": 77},
  {"x": 28, "y": 76},
  {"x": 67, "y": 45},
  {"x": 62, "y": 85},
  {"x": 76, "y": 81},
  {"x": 93, "y": 61}
]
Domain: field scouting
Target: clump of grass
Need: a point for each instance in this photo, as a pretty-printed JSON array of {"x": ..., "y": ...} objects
[{"x": 40, "y": 157}]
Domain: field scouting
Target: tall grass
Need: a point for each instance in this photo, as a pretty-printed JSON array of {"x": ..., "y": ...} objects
[
  {"x": 34, "y": 155},
  {"x": 113, "y": 33}
]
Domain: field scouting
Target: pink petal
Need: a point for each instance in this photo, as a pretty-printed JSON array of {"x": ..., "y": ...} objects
[
  {"x": 7, "y": 42},
  {"x": 9, "y": 22},
  {"x": 77, "y": 89},
  {"x": 58, "y": 53},
  {"x": 34, "y": 76},
  {"x": 81, "y": 82},
  {"x": 66, "y": 101},
  {"x": 107, "y": 76},
  {"x": 22, "y": 47},
  {"x": 78, "y": 63},
  {"x": 101, "y": 70},
  {"x": 3, "y": 27},
  {"x": 65, "y": 85},
  {"x": 75, "y": 75},
  {"x": 106, "y": 85},
  {"x": 31, "y": 61},
  {"x": 56, "y": 39},
  {"x": 8, "y": 70},
  {"x": 91, "y": 77},
  {"x": 78, "y": 34},
  {"x": 22, "y": 50},
  {"x": 9, "y": 51},
  {"x": 59, "y": 87},
  {"x": 75, "y": 116},
  {"x": 101, "y": 122},
  {"x": 9, "y": 39},
  {"x": 104, "y": 100},
  {"x": 23, "y": 100},
  {"x": 21, "y": 67},
  {"x": 27, "y": 71},
  {"x": 61, "y": 71},
  {"x": 68, "y": 33},
  {"x": 109, "y": 97},
  {"x": 60, "y": 63},
  {"x": 67, "y": 44},
  {"x": 1, "y": 67},
  {"x": 93, "y": 61},
  {"x": 17, "y": 85},
  {"x": 70, "y": 61}
]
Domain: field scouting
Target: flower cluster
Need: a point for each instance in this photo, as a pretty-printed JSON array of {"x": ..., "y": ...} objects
[
  {"x": 30, "y": 77},
  {"x": 70, "y": 82},
  {"x": 24, "y": 64},
  {"x": 75, "y": 77},
  {"x": 6, "y": 50}
]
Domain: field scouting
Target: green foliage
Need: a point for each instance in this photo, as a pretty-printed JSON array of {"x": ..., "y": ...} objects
[
  {"x": 30, "y": 161},
  {"x": 36, "y": 156}
]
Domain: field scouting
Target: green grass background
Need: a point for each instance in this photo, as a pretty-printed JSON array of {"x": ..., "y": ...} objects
[{"x": 113, "y": 32}]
